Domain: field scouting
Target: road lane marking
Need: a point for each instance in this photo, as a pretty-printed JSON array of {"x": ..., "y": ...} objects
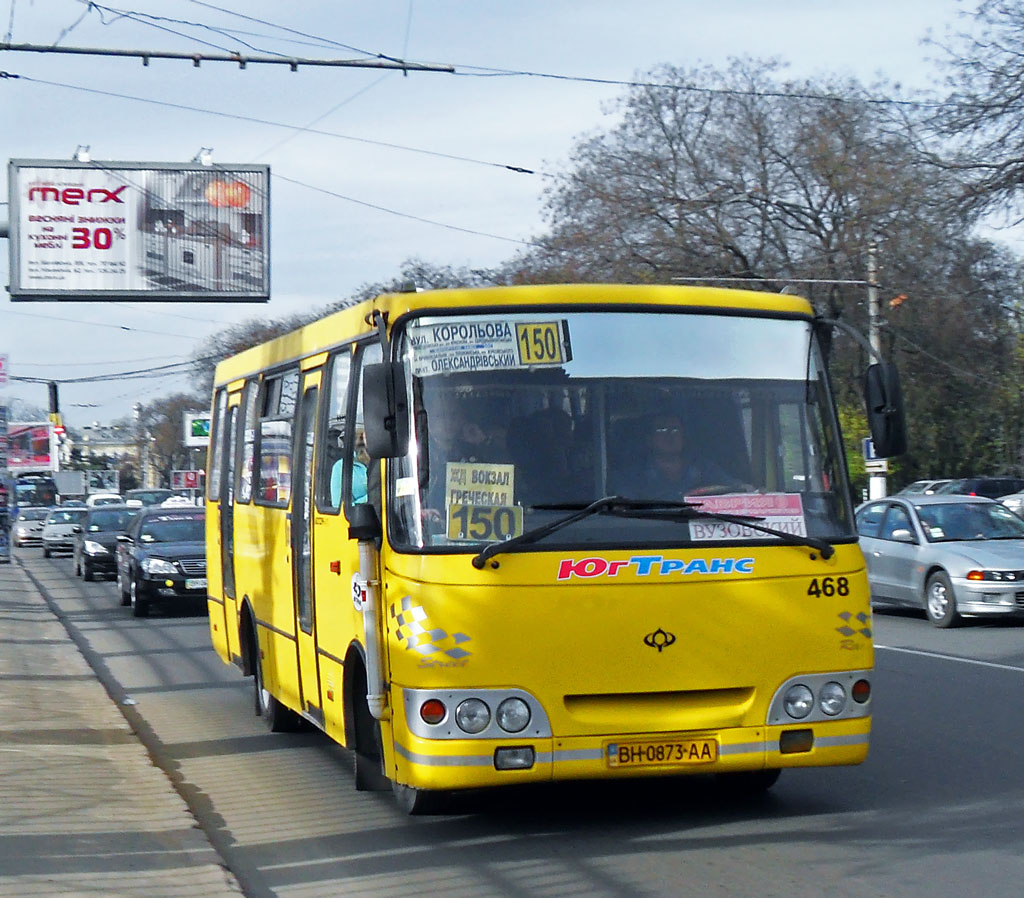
[{"x": 893, "y": 648}]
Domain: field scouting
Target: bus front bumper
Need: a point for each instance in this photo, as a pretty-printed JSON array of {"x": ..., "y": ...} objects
[{"x": 470, "y": 764}]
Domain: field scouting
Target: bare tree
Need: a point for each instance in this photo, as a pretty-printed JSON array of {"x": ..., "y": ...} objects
[
  {"x": 237, "y": 337},
  {"x": 983, "y": 114},
  {"x": 741, "y": 174},
  {"x": 162, "y": 423}
]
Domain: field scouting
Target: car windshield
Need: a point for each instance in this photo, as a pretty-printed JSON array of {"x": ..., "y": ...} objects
[
  {"x": 518, "y": 418},
  {"x": 66, "y": 516},
  {"x": 109, "y": 521},
  {"x": 33, "y": 514},
  {"x": 173, "y": 529},
  {"x": 969, "y": 520},
  {"x": 149, "y": 497}
]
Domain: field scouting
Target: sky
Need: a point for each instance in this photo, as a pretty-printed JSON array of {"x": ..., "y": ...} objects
[{"x": 417, "y": 167}]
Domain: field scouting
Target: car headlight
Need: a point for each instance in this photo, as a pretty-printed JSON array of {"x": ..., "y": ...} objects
[
  {"x": 798, "y": 701},
  {"x": 513, "y": 715},
  {"x": 1010, "y": 576},
  {"x": 94, "y": 548},
  {"x": 832, "y": 698},
  {"x": 158, "y": 566},
  {"x": 472, "y": 716}
]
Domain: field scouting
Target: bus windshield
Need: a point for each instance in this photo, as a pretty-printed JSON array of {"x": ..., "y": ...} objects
[
  {"x": 35, "y": 491},
  {"x": 517, "y": 419}
]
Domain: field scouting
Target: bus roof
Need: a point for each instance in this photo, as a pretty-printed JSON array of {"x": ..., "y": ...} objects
[{"x": 344, "y": 325}]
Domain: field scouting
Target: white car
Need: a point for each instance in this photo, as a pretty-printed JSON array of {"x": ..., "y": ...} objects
[
  {"x": 1015, "y": 502},
  {"x": 103, "y": 499},
  {"x": 27, "y": 529},
  {"x": 59, "y": 529}
]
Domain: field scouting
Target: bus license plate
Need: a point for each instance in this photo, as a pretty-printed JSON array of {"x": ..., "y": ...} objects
[
  {"x": 196, "y": 583},
  {"x": 662, "y": 752}
]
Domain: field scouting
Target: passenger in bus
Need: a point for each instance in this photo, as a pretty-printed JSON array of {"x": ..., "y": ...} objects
[
  {"x": 673, "y": 468},
  {"x": 545, "y": 473},
  {"x": 359, "y": 473},
  {"x": 459, "y": 435}
]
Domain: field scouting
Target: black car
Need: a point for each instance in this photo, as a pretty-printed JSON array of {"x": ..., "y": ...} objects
[
  {"x": 161, "y": 559},
  {"x": 990, "y": 487},
  {"x": 95, "y": 549}
]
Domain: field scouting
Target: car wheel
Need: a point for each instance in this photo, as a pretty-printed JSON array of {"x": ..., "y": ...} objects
[
  {"x": 46, "y": 552},
  {"x": 940, "y": 602},
  {"x": 126, "y": 599},
  {"x": 87, "y": 573},
  {"x": 139, "y": 602}
]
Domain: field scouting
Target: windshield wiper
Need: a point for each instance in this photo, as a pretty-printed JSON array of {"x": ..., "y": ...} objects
[
  {"x": 643, "y": 508},
  {"x": 537, "y": 533}
]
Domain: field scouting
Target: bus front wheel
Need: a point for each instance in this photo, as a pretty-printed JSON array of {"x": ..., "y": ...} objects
[
  {"x": 368, "y": 757},
  {"x": 416, "y": 802},
  {"x": 748, "y": 783}
]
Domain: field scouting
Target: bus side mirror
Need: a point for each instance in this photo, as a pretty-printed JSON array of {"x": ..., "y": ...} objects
[
  {"x": 385, "y": 410},
  {"x": 884, "y": 400}
]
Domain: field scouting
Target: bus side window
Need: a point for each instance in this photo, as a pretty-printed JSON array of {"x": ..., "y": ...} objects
[
  {"x": 217, "y": 446},
  {"x": 364, "y": 482},
  {"x": 331, "y": 433},
  {"x": 275, "y": 438},
  {"x": 243, "y": 493}
]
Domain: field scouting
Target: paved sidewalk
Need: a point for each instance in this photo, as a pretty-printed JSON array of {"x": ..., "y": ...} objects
[{"x": 83, "y": 810}]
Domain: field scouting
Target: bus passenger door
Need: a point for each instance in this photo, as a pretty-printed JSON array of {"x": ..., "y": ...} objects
[
  {"x": 227, "y": 501},
  {"x": 221, "y": 577},
  {"x": 302, "y": 550}
]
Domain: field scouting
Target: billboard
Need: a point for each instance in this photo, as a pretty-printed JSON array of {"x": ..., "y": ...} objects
[
  {"x": 31, "y": 447},
  {"x": 197, "y": 429},
  {"x": 186, "y": 480},
  {"x": 139, "y": 231}
]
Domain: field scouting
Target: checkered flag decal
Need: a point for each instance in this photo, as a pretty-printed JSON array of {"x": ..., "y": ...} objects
[{"x": 413, "y": 629}]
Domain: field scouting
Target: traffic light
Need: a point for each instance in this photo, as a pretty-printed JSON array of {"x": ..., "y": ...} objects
[{"x": 54, "y": 400}]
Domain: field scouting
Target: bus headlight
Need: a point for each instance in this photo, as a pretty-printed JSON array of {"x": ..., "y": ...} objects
[
  {"x": 798, "y": 701},
  {"x": 513, "y": 715},
  {"x": 832, "y": 698},
  {"x": 472, "y": 716}
]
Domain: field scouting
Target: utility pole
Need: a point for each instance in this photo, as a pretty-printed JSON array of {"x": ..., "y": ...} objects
[{"x": 877, "y": 468}]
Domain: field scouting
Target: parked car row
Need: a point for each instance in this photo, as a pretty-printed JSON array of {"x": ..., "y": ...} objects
[
  {"x": 991, "y": 487},
  {"x": 157, "y": 553}
]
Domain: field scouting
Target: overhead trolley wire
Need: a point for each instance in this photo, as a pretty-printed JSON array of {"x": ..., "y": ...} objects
[{"x": 259, "y": 121}]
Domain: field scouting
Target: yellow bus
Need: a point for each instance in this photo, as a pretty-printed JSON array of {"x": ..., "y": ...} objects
[{"x": 522, "y": 534}]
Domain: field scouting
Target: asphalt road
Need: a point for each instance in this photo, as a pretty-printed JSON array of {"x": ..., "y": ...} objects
[{"x": 934, "y": 812}]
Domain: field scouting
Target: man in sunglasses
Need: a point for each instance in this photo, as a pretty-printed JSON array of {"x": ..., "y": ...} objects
[{"x": 676, "y": 469}]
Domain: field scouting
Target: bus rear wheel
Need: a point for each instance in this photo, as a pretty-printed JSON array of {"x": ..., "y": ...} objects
[{"x": 276, "y": 716}]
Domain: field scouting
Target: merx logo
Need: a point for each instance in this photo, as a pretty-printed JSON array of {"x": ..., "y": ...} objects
[{"x": 72, "y": 196}]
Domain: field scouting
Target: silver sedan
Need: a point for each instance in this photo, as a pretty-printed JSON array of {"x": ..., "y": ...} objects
[{"x": 950, "y": 555}]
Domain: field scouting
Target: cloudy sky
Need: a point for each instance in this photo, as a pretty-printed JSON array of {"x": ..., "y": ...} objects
[{"x": 415, "y": 166}]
